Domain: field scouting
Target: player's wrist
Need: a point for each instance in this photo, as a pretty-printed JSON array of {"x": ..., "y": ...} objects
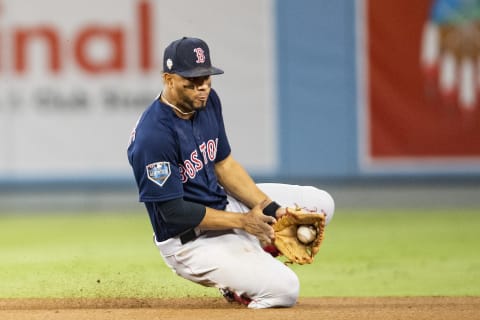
[{"x": 271, "y": 209}]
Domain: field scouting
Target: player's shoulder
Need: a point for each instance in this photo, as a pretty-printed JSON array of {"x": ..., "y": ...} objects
[
  {"x": 215, "y": 99},
  {"x": 154, "y": 120},
  {"x": 215, "y": 102},
  {"x": 154, "y": 114}
]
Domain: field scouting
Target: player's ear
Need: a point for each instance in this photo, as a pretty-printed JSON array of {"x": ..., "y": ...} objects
[{"x": 168, "y": 79}]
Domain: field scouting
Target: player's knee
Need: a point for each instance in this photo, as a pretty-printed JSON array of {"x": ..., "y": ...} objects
[
  {"x": 290, "y": 293},
  {"x": 323, "y": 201},
  {"x": 282, "y": 293},
  {"x": 329, "y": 205}
]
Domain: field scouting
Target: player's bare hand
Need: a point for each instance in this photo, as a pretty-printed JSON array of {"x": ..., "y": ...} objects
[
  {"x": 280, "y": 212},
  {"x": 258, "y": 224}
]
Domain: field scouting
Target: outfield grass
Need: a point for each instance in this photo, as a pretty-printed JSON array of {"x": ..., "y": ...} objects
[{"x": 367, "y": 253}]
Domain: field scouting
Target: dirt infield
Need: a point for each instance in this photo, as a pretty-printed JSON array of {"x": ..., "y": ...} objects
[{"x": 437, "y": 308}]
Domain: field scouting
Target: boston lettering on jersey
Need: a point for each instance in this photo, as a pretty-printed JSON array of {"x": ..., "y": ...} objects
[
  {"x": 173, "y": 157},
  {"x": 192, "y": 166}
]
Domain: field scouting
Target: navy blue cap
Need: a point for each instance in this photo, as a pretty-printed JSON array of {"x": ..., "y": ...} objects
[{"x": 189, "y": 57}]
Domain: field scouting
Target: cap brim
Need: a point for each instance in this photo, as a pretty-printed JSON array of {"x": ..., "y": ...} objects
[{"x": 200, "y": 72}]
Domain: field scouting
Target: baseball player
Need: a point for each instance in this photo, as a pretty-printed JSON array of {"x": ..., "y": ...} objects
[{"x": 210, "y": 220}]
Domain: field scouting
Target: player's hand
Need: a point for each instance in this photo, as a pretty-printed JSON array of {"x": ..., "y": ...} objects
[
  {"x": 450, "y": 52},
  {"x": 258, "y": 224},
  {"x": 280, "y": 212}
]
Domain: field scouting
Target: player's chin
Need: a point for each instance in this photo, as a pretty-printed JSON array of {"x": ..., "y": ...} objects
[{"x": 200, "y": 104}]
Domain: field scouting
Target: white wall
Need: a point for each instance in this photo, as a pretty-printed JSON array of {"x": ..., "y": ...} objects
[{"x": 58, "y": 117}]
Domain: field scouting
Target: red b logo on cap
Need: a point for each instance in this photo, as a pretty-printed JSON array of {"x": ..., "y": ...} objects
[{"x": 200, "y": 55}]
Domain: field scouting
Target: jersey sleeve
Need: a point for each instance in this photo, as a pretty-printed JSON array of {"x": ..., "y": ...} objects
[
  {"x": 223, "y": 148},
  {"x": 153, "y": 157}
]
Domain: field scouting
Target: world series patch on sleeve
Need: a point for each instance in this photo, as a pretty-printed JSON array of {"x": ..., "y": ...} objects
[{"x": 299, "y": 234}]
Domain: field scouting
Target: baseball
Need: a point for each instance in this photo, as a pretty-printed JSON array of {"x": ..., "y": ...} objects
[{"x": 306, "y": 234}]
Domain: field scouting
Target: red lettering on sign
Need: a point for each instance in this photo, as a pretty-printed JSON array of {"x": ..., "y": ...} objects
[
  {"x": 76, "y": 49},
  {"x": 115, "y": 39},
  {"x": 23, "y": 36},
  {"x": 145, "y": 36}
]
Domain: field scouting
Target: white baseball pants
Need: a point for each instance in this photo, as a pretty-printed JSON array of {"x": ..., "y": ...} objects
[{"x": 235, "y": 260}]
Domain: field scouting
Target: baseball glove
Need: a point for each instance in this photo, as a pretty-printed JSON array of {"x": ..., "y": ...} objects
[{"x": 287, "y": 241}]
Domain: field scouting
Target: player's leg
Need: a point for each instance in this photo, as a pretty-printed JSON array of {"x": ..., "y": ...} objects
[
  {"x": 234, "y": 260},
  {"x": 311, "y": 198},
  {"x": 308, "y": 197},
  {"x": 268, "y": 282},
  {"x": 265, "y": 291}
]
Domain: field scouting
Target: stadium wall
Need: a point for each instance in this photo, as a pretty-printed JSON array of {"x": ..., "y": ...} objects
[{"x": 294, "y": 92}]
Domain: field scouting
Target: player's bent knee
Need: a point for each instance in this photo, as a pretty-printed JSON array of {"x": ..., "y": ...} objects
[
  {"x": 329, "y": 206},
  {"x": 324, "y": 201},
  {"x": 290, "y": 292},
  {"x": 290, "y": 298},
  {"x": 282, "y": 294},
  {"x": 284, "y": 301}
]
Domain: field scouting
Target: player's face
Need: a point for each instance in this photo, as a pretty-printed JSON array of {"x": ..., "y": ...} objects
[{"x": 192, "y": 93}]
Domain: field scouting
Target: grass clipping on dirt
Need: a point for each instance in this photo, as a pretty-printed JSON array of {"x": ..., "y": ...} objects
[{"x": 365, "y": 253}]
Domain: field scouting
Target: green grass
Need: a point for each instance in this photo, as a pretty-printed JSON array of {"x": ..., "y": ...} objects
[
  {"x": 367, "y": 253},
  {"x": 397, "y": 253}
]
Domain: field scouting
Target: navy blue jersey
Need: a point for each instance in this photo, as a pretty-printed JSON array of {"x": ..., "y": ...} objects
[{"x": 174, "y": 158}]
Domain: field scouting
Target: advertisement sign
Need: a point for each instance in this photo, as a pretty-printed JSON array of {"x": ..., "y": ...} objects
[
  {"x": 76, "y": 75},
  {"x": 419, "y": 78}
]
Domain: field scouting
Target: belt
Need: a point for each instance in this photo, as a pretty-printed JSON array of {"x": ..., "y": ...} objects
[{"x": 188, "y": 235}]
